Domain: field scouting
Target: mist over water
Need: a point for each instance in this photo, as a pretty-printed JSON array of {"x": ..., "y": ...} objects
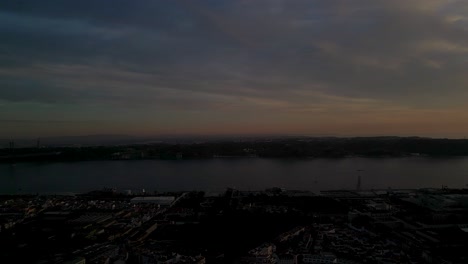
[{"x": 214, "y": 175}]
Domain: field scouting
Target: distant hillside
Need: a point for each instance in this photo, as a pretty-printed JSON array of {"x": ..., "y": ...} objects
[{"x": 299, "y": 147}]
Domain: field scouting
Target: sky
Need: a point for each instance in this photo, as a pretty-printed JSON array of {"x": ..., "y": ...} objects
[{"x": 245, "y": 67}]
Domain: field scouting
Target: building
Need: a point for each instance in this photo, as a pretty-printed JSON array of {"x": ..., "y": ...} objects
[
  {"x": 321, "y": 259},
  {"x": 262, "y": 254},
  {"x": 159, "y": 200},
  {"x": 76, "y": 261}
]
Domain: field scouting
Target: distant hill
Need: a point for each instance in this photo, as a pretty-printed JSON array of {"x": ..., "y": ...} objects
[
  {"x": 268, "y": 147},
  {"x": 112, "y": 139},
  {"x": 90, "y": 140}
]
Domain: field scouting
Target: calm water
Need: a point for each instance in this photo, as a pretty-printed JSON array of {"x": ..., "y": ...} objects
[{"x": 217, "y": 174}]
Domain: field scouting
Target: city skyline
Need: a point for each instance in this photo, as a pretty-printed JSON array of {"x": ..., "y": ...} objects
[{"x": 148, "y": 68}]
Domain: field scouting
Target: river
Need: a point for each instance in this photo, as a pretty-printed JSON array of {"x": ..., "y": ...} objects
[{"x": 214, "y": 175}]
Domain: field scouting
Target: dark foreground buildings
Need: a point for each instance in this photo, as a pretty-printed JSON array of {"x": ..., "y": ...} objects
[{"x": 271, "y": 226}]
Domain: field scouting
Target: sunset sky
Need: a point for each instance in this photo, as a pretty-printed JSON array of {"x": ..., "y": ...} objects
[{"x": 305, "y": 67}]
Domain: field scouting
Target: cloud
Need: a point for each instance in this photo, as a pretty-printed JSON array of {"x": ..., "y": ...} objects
[
  {"x": 236, "y": 57},
  {"x": 35, "y": 121}
]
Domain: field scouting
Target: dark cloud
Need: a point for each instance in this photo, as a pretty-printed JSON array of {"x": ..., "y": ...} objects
[
  {"x": 242, "y": 56},
  {"x": 35, "y": 121}
]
